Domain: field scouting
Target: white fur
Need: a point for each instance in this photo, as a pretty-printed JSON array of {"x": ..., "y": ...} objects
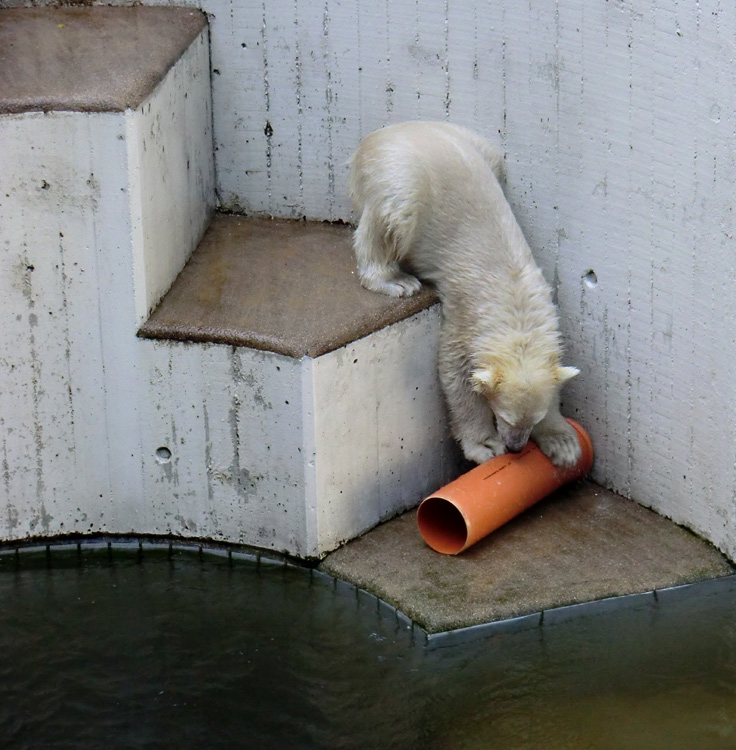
[{"x": 431, "y": 207}]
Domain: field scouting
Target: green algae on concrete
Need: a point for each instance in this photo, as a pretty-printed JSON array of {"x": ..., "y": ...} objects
[{"x": 581, "y": 544}]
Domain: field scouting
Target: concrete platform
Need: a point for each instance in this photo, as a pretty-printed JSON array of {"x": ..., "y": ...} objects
[
  {"x": 581, "y": 544},
  {"x": 320, "y": 401},
  {"x": 88, "y": 59},
  {"x": 288, "y": 287}
]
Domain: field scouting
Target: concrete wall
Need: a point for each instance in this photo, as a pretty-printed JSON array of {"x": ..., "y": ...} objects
[
  {"x": 617, "y": 119},
  {"x": 293, "y": 455},
  {"x": 102, "y": 431},
  {"x": 76, "y": 215}
]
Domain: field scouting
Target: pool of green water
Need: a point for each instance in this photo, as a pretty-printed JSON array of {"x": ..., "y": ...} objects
[{"x": 129, "y": 647}]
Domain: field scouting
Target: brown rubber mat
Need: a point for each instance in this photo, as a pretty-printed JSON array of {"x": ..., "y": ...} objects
[
  {"x": 283, "y": 286},
  {"x": 89, "y": 59}
]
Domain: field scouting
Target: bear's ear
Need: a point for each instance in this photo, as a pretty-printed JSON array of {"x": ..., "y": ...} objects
[
  {"x": 485, "y": 381},
  {"x": 566, "y": 373}
]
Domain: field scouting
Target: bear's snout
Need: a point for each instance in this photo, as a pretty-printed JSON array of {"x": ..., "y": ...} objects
[{"x": 516, "y": 446}]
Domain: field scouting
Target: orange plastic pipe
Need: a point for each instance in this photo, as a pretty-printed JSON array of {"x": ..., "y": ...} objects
[{"x": 488, "y": 496}]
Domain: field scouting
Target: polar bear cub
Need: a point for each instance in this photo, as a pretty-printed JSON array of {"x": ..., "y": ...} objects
[{"x": 431, "y": 207}]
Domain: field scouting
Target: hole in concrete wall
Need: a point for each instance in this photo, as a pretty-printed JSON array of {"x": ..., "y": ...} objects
[
  {"x": 163, "y": 455},
  {"x": 590, "y": 279}
]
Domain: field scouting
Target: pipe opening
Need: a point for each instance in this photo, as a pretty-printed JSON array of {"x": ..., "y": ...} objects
[{"x": 442, "y": 525}]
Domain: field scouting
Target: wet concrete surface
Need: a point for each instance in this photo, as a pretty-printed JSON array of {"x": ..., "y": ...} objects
[
  {"x": 89, "y": 59},
  {"x": 278, "y": 285},
  {"x": 581, "y": 544}
]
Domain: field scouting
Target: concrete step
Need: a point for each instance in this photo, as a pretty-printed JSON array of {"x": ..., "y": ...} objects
[
  {"x": 269, "y": 400},
  {"x": 329, "y": 393},
  {"x": 283, "y": 286},
  {"x": 109, "y": 109},
  {"x": 106, "y": 186},
  {"x": 83, "y": 59}
]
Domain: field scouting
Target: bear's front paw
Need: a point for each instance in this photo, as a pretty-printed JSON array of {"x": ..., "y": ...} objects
[
  {"x": 479, "y": 453},
  {"x": 404, "y": 285},
  {"x": 561, "y": 446},
  {"x": 394, "y": 284}
]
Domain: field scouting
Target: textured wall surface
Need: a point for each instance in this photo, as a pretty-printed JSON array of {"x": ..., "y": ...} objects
[
  {"x": 295, "y": 455},
  {"x": 75, "y": 215},
  {"x": 59, "y": 275},
  {"x": 381, "y": 440},
  {"x": 102, "y": 431},
  {"x": 171, "y": 172},
  {"x": 617, "y": 121}
]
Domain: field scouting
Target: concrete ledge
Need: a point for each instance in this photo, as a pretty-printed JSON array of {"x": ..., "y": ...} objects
[
  {"x": 581, "y": 544},
  {"x": 288, "y": 287},
  {"x": 657, "y": 603},
  {"x": 294, "y": 455},
  {"x": 91, "y": 59}
]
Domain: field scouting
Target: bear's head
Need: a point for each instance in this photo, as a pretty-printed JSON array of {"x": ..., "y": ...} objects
[{"x": 520, "y": 393}]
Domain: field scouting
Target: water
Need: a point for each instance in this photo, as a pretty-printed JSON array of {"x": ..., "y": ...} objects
[{"x": 108, "y": 648}]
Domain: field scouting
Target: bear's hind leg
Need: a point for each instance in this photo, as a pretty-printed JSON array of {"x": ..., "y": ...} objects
[{"x": 375, "y": 254}]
